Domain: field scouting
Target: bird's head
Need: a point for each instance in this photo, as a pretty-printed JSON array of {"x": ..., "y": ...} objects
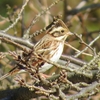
[{"x": 59, "y": 30}]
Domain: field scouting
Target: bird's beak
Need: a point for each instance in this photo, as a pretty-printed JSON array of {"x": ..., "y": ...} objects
[{"x": 70, "y": 33}]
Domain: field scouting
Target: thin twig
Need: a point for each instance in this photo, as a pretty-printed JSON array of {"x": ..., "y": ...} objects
[
  {"x": 91, "y": 43},
  {"x": 37, "y": 17},
  {"x": 18, "y": 18},
  {"x": 81, "y": 41},
  {"x": 77, "y": 49}
]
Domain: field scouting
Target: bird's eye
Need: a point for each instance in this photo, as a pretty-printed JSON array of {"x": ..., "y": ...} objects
[{"x": 62, "y": 31}]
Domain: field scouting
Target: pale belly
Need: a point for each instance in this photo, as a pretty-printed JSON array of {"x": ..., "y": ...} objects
[
  {"x": 58, "y": 53},
  {"x": 55, "y": 58}
]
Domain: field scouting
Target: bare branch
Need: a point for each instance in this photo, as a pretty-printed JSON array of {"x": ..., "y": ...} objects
[
  {"x": 91, "y": 43},
  {"x": 18, "y": 18},
  {"x": 88, "y": 91},
  {"x": 17, "y": 40}
]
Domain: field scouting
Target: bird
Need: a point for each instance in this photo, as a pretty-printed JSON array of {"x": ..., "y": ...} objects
[{"x": 50, "y": 46}]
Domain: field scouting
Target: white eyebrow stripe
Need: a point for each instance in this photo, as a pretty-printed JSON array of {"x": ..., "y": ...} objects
[{"x": 57, "y": 29}]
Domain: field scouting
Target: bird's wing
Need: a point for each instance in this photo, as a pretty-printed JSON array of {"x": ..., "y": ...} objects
[{"x": 45, "y": 45}]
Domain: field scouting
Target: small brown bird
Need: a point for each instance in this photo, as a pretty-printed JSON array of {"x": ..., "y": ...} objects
[{"x": 50, "y": 46}]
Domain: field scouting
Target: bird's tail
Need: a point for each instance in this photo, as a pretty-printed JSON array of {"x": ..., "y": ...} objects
[
  {"x": 11, "y": 72},
  {"x": 4, "y": 76}
]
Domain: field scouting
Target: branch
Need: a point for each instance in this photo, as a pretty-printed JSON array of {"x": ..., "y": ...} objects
[
  {"x": 73, "y": 59},
  {"x": 91, "y": 43},
  {"x": 16, "y": 39},
  {"x": 37, "y": 17},
  {"x": 17, "y": 19},
  {"x": 88, "y": 91},
  {"x": 78, "y": 10}
]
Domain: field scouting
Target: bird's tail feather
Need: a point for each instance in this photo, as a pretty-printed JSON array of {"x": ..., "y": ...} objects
[
  {"x": 13, "y": 71},
  {"x": 4, "y": 76}
]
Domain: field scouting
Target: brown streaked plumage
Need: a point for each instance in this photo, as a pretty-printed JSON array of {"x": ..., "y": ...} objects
[{"x": 50, "y": 46}]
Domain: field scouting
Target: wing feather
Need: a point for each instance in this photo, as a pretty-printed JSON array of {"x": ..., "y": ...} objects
[{"x": 46, "y": 45}]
